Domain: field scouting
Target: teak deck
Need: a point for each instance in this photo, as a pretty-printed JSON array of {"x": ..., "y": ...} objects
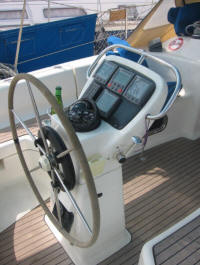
[
  {"x": 181, "y": 247},
  {"x": 158, "y": 192}
]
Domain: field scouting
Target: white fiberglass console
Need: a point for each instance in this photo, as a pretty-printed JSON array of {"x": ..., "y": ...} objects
[{"x": 125, "y": 94}]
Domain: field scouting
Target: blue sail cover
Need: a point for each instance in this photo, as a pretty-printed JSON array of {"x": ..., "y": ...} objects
[{"x": 55, "y": 42}]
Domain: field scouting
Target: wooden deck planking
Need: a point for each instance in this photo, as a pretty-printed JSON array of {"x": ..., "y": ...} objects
[
  {"x": 151, "y": 218},
  {"x": 158, "y": 192},
  {"x": 181, "y": 247},
  {"x": 6, "y": 135}
]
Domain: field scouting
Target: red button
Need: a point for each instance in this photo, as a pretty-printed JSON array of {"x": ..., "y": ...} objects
[
  {"x": 110, "y": 84},
  {"x": 119, "y": 90}
]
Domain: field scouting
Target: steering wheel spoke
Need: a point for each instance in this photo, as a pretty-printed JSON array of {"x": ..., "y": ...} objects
[
  {"x": 71, "y": 198},
  {"x": 24, "y": 125},
  {"x": 37, "y": 116},
  {"x": 64, "y": 153},
  {"x": 55, "y": 192}
]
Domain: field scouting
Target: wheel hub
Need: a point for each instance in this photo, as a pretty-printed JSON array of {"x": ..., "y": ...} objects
[{"x": 44, "y": 163}]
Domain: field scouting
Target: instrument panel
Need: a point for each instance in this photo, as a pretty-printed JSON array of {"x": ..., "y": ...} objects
[
  {"x": 105, "y": 71},
  {"x": 119, "y": 92},
  {"x": 120, "y": 80},
  {"x": 139, "y": 90}
]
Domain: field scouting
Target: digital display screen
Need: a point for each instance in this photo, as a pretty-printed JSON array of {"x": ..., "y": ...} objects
[
  {"x": 105, "y": 71},
  {"x": 122, "y": 77},
  {"x": 106, "y": 103},
  {"x": 140, "y": 90}
]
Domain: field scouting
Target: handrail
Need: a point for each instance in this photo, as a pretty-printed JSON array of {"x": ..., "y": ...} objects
[{"x": 144, "y": 55}]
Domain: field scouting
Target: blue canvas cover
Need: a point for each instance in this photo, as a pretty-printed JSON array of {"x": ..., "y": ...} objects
[
  {"x": 122, "y": 52},
  {"x": 184, "y": 16},
  {"x": 49, "y": 38}
]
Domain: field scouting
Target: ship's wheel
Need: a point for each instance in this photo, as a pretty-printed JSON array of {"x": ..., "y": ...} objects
[{"x": 56, "y": 161}]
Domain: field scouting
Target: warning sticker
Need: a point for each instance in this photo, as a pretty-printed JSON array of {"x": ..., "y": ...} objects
[{"x": 175, "y": 44}]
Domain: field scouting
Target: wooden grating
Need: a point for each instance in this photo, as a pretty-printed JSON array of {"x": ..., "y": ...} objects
[{"x": 158, "y": 192}]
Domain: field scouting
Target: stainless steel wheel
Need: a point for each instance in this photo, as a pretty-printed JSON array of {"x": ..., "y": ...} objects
[{"x": 48, "y": 161}]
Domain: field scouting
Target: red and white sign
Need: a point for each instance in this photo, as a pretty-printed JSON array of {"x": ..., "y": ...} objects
[{"x": 175, "y": 44}]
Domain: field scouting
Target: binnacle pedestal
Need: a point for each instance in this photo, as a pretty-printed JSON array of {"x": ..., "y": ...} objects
[{"x": 113, "y": 234}]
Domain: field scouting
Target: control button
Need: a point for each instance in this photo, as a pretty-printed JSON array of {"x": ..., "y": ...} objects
[{"x": 119, "y": 90}]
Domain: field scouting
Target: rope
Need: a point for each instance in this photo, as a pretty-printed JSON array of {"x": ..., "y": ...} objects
[
  {"x": 6, "y": 71},
  {"x": 48, "y": 10},
  {"x": 19, "y": 36},
  {"x": 193, "y": 29},
  {"x": 52, "y": 53},
  {"x": 66, "y": 49}
]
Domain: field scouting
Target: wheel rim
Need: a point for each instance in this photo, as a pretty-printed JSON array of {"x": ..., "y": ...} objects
[{"x": 78, "y": 152}]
